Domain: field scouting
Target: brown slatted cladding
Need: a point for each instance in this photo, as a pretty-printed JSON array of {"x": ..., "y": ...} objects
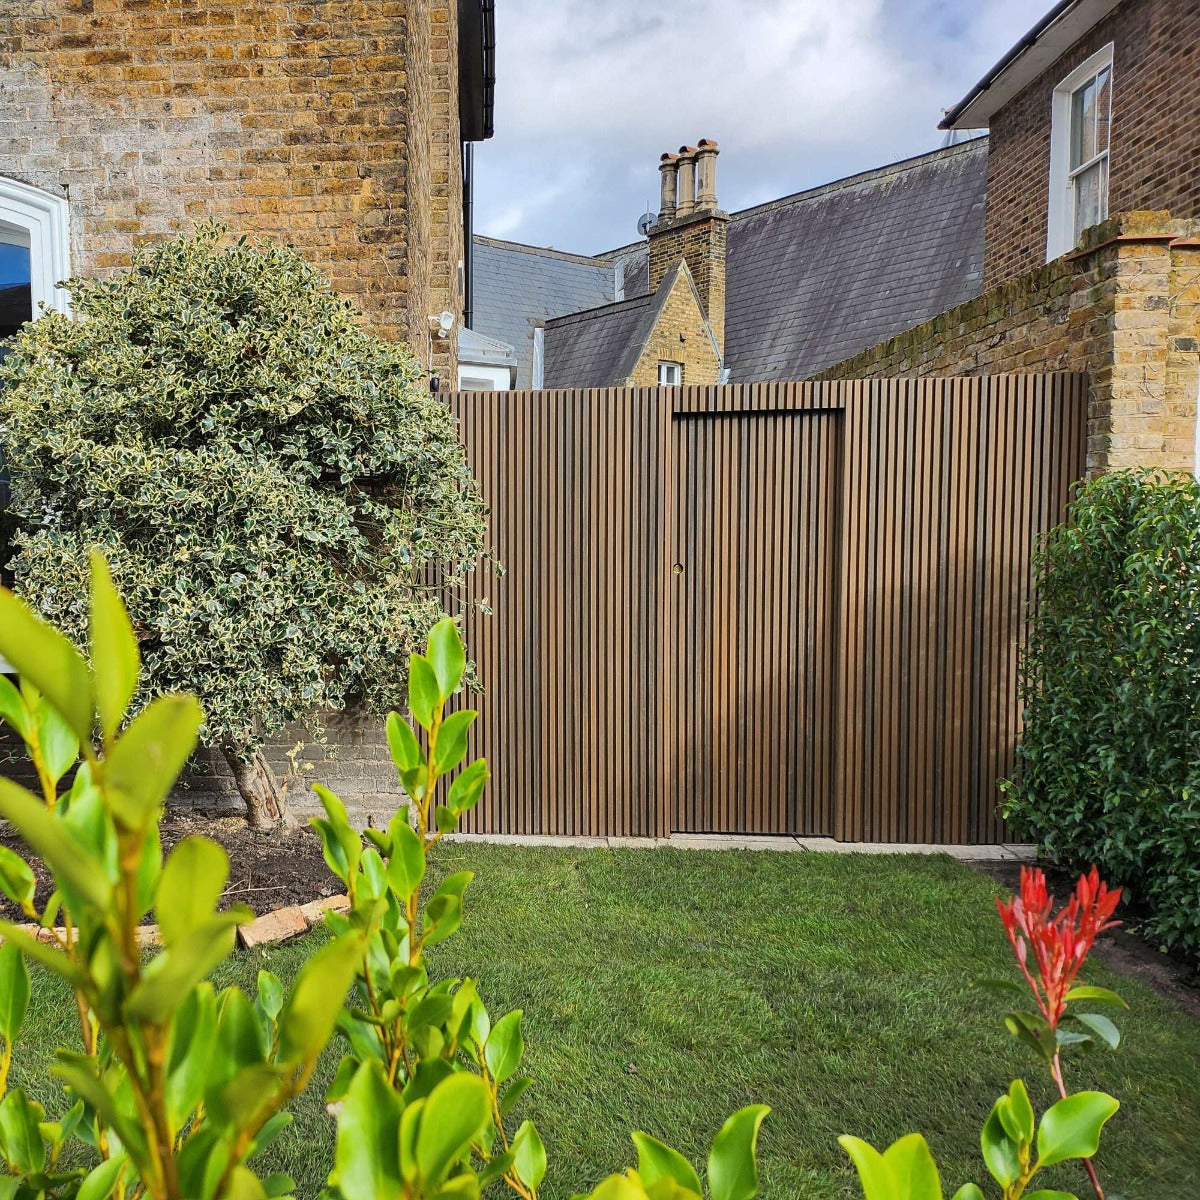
[
  {"x": 837, "y": 654},
  {"x": 571, "y": 657}
]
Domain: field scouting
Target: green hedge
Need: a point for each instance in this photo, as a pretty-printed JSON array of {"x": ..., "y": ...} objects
[{"x": 1109, "y": 762}]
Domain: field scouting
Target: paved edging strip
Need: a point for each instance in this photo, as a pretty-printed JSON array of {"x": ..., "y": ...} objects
[{"x": 1011, "y": 852}]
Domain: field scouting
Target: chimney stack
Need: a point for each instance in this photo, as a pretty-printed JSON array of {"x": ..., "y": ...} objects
[{"x": 691, "y": 226}]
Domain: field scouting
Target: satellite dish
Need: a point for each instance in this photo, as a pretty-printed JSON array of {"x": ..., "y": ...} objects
[{"x": 646, "y": 222}]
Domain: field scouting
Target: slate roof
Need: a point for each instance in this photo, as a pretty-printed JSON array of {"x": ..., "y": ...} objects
[
  {"x": 517, "y": 288},
  {"x": 600, "y": 347},
  {"x": 816, "y": 277}
]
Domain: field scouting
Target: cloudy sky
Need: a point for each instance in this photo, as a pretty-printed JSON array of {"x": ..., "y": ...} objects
[{"x": 797, "y": 93}]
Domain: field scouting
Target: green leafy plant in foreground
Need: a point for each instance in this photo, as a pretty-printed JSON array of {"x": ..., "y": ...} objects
[
  {"x": 174, "y": 1088},
  {"x": 429, "y": 1075},
  {"x": 1050, "y": 950}
]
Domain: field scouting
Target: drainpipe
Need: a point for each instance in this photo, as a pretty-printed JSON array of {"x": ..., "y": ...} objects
[{"x": 468, "y": 171}]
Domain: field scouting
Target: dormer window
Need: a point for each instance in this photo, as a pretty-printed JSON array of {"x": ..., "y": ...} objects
[{"x": 1079, "y": 145}]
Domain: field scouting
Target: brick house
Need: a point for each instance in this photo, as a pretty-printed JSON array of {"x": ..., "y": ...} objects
[
  {"x": 341, "y": 127},
  {"x": 1092, "y": 238}
]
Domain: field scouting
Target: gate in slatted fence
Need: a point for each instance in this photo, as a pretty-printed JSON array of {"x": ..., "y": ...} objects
[{"x": 773, "y": 608}]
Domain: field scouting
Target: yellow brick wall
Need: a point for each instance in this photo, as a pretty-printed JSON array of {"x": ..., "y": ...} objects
[
  {"x": 1126, "y": 309},
  {"x": 332, "y": 124},
  {"x": 679, "y": 335}
]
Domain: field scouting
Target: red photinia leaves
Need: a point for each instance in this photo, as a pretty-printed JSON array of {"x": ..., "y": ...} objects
[{"x": 1061, "y": 942}]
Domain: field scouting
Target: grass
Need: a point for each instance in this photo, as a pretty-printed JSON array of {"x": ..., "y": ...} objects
[{"x": 662, "y": 990}]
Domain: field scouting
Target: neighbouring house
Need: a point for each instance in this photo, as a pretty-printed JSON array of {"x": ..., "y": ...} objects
[
  {"x": 342, "y": 129},
  {"x": 1092, "y": 242},
  {"x": 778, "y": 291}
]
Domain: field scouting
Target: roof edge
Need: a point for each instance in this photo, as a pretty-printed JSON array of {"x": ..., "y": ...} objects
[
  {"x": 590, "y": 260},
  {"x": 1054, "y": 34}
]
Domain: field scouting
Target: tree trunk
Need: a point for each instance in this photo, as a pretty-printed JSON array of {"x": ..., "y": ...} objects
[{"x": 266, "y": 801}]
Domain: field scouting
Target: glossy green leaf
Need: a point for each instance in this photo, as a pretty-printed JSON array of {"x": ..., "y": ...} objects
[
  {"x": 445, "y": 819},
  {"x": 911, "y": 1163},
  {"x": 971, "y": 1191},
  {"x": 1017, "y": 1115},
  {"x": 239, "y": 1036},
  {"x": 656, "y": 1160},
  {"x": 114, "y": 650},
  {"x": 515, "y": 1090},
  {"x": 19, "y": 1132},
  {"x": 190, "y": 1051},
  {"x": 874, "y": 1175},
  {"x": 270, "y": 994},
  {"x": 732, "y": 1173},
  {"x": 278, "y": 1184},
  {"x": 1071, "y": 1128},
  {"x": 48, "y": 660},
  {"x": 455, "y": 1114},
  {"x": 446, "y": 656},
  {"x": 618, "y": 1187},
  {"x": 14, "y": 990},
  {"x": 1000, "y": 1152},
  {"x": 17, "y": 880},
  {"x": 1044, "y": 1194},
  {"x": 529, "y": 1155},
  {"x": 312, "y": 1009},
  {"x": 468, "y": 786},
  {"x": 423, "y": 694},
  {"x": 146, "y": 760},
  {"x": 79, "y": 1073},
  {"x": 367, "y": 1157},
  {"x": 190, "y": 886},
  {"x": 1102, "y": 1027},
  {"x": 101, "y": 1181},
  {"x": 1033, "y": 1031},
  {"x": 402, "y": 743},
  {"x": 236, "y": 1104},
  {"x": 57, "y": 743},
  {"x": 53, "y": 841},
  {"x": 169, "y": 977},
  {"x": 49, "y": 956},
  {"x": 443, "y": 916},
  {"x": 1095, "y": 995},
  {"x": 505, "y": 1046},
  {"x": 406, "y": 869},
  {"x": 452, "y": 740},
  {"x": 13, "y": 708},
  {"x": 244, "y": 1185}
]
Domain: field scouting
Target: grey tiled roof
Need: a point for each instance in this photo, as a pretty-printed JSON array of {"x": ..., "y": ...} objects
[
  {"x": 517, "y": 288},
  {"x": 815, "y": 278},
  {"x": 600, "y": 347}
]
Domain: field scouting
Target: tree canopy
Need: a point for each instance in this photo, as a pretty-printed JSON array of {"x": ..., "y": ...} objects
[{"x": 281, "y": 499}]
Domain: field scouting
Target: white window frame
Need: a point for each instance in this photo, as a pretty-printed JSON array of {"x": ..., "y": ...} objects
[
  {"x": 1060, "y": 226},
  {"x": 474, "y": 377},
  {"x": 670, "y": 374},
  {"x": 40, "y": 221}
]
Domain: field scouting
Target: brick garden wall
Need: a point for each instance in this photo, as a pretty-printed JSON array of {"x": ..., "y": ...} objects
[
  {"x": 1126, "y": 309},
  {"x": 332, "y": 124},
  {"x": 1155, "y": 137}
]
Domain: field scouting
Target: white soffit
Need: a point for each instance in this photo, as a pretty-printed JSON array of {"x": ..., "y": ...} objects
[{"x": 1025, "y": 65}]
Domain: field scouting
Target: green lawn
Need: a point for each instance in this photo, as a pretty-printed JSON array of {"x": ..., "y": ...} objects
[{"x": 663, "y": 989}]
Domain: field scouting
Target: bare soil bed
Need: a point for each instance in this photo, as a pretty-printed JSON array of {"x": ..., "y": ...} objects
[{"x": 267, "y": 869}]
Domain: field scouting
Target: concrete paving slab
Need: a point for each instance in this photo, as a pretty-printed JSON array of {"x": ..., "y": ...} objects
[{"x": 728, "y": 841}]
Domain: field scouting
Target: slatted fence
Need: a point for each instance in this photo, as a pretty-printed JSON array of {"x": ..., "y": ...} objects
[{"x": 776, "y": 608}]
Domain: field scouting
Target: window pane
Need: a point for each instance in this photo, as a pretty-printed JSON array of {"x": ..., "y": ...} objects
[
  {"x": 16, "y": 303},
  {"x": 1091, "y": 201},
  {"x": 1083, "y": 124}
]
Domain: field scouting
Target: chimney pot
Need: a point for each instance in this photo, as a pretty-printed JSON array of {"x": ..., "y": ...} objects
[
  {"x": 687, "y": 182},
  {"x": 706, "y": 176},
  {"x": 668, "y": 166}
]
